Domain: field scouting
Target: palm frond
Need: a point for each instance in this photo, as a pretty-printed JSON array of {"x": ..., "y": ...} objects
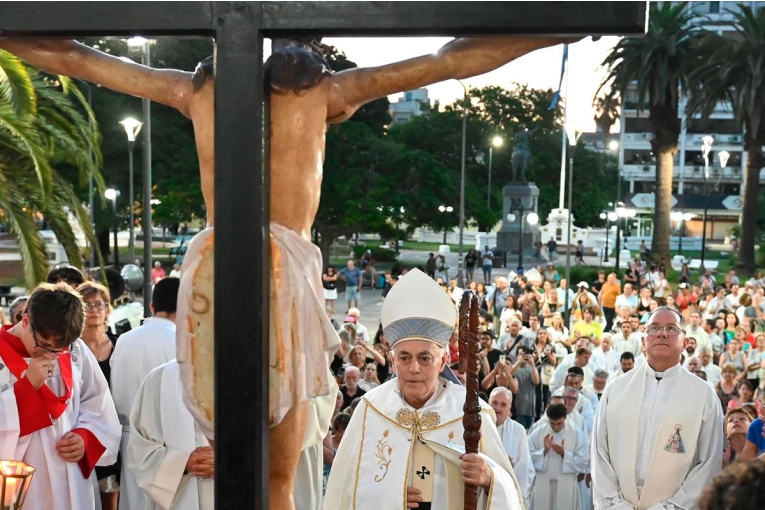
[{"x": 16, "y": 87}]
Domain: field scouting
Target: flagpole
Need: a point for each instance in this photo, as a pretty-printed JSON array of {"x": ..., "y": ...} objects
[{"x": 563, "y": 138}]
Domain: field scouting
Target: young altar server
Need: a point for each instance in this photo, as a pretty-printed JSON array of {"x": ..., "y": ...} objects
[
  {"x": 56, "y": 412},
  {"x": 168, "y": 455},
  {"x": 658, "y": 436},
  {"x": 402, "y": 445},
  {"x": 514, "y": 439},
  {"x": 559, "y": 451}
]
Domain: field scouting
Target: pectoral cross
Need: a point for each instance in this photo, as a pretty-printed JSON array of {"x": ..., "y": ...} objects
[{"x": 422, "y": 474}]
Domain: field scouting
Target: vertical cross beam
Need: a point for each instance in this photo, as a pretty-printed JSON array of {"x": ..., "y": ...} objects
[{"x": 241, "y": 260}]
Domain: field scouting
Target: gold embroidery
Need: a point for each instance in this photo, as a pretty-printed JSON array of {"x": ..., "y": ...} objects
[
  {"x": 411, "y": 419},
  {"x": 451, "y": 436},
  {"x": 383, "y": 453},
  {"x": 361, "y": 450}
]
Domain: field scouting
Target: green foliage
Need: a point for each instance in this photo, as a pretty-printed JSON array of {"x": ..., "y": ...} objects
[
  {"x": 580, "y": 274},
  {"x": 45, "y": 148}
]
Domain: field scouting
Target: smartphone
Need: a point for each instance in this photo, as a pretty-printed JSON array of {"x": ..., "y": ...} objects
[{"x": 502, "y": 358}]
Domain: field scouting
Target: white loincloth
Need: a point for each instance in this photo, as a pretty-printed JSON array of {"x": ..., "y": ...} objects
[{"x": 302, "y": 339}]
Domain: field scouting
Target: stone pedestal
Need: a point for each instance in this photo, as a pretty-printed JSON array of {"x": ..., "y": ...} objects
[{"x": 508, "y": 236}]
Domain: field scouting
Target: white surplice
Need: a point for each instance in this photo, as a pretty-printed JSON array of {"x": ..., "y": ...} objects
[
  {"x": 373, "y": 466},
  {"x": 655, "y": 451},
  {"x": 58, "y": 484},
  {"x": 137, "y": 353},
  {"x": 555, "y": 487},
  {"x": 516, "y": 444},
  {"x": 162, "y": 437},
  {"x": 611, "y": 359}
]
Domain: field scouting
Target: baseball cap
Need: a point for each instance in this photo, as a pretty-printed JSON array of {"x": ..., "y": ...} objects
[
  {"x": 683, "y": 285},
  {"x": 351, "y": 319},
  {"x": 583, "y": 284}
]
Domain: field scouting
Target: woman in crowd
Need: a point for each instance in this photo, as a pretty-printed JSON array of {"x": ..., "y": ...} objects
[
  {"x": 529, "y": 304},
  {"x": 644, "y": 301},
  {"x": 550, "y": 307},
  {"x": 100, "y": 341},
  {"x": 670, "y": 303},
  {"x": 726, "y": 387},
  {"x": 743, "y": 302},
  {"x": 685, "y": 274},
  {"x": 581, "y": 302},
  {"x": 369, "y": 381},
  {"x": 735, "y": 427},
  {"x": 559, "y": 334},
  {"x": 545, "y": 361},
  {"x": 662, "y": 289},
  {"x": 735, "y": 357},
  {"x": 731, "y": 323},
  {"x": 511, "y": 310},
  {"x": 480, "y": 291},
  {"x": 329, "y": 280},
  {"x": 745, "y": 399},
  {"x": 755, "y": 358}
]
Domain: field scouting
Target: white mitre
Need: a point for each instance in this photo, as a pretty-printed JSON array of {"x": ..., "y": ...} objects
[{"x": 417, "y": 308}]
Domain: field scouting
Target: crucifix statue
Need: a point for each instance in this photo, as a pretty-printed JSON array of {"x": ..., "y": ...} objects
[{"x": 305, "y": 99}]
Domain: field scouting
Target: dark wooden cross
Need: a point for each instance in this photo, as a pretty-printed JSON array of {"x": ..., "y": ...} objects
[{"x": 241, "y": 155}]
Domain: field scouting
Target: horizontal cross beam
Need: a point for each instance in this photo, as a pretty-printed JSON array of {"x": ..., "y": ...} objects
[{"x": 327, "y": 18}]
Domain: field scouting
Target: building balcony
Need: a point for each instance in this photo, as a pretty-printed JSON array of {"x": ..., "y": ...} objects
[
  {"x": 721, "y": 140},
  {"x": 690, "y": 173}
]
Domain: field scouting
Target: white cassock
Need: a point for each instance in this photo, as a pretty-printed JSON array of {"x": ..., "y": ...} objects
[
  {"x": 555, "y": 487},
  {"x": 656, "y": 444},
  {"x": 386, "y": 436},
  {"x": 585, "y": 409},
  {"x": 137, "y": 353},
  {"x": 516, "y": 444},
  {"x": 630, "y": 344},
  {"x": 309, "y": 477},
  {"x": 610, "y": 359},
  {"x": 714, "y": 373},
  {"x": 33, "y": 421},
  {"x": 559, "y": 376},
  {"x": 162, "y": 437}
]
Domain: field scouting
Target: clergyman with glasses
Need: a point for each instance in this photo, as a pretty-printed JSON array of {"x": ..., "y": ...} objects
[
  {"x": 56, "y": 412},
  {"x": 657, "y": 439}
]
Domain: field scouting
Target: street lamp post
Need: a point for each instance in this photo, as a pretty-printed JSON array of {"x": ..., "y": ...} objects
[
  {"x": 460, "y": 276},
  {"x": 572, "y": 134},
  {"x": 681, "y": 217},
  {"x": 132, "y": 128},
  {"x": 621, "y": 213},
  {"x": 609, "y": 217},
  {"x": 112, "y": 194},
  {"x": 495, "y": 142},
  {"x": 517, "y": 206},
  {"x": 143, "y": 47},
  {"x": 443, "y": 209},
  {"x": 723, "y": 155}
]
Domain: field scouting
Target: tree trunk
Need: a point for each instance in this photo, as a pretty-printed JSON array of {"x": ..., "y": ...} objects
[
  {"x": 746, "y": 261},
  {"x": 662, "y": 227},
  {"x": 325, "y": 242}
]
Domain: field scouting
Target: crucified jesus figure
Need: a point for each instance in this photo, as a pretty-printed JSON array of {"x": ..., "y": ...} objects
[{"x": 306, "y": 97}]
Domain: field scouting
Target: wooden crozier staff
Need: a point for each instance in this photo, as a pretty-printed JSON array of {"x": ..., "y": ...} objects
[{"x": 469, "y": 365}]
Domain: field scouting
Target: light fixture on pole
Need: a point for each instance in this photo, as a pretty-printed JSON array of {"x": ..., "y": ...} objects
[
  {"x": 443, "y": 209},
  {"x": 613, "y": 145},
  {"x": 112, "y": 194},
  {"x": 572, "y": 134},
  {"x": 495, "y": 142},
  {"x": 609, "y": 217},
  {"x": 142, "y": 47},
  {"x": 706, "y": 148},
  {"x": 15, "y": 478},
  {"x": 132, "y": 128},
  {"x": 622, "y": 213}
]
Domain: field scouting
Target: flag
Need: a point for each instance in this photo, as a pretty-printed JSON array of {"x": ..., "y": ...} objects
[{"x": 562, "y": 73}]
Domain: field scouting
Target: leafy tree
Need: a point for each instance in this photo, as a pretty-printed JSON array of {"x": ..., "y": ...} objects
[
  {"x": 657, "y": 63},
  {"x": 731, "y": 69},
  {"x": 45, "y": 140}
]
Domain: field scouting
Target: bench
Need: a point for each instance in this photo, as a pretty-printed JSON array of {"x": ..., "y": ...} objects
[{"x": 695, "y": 264}]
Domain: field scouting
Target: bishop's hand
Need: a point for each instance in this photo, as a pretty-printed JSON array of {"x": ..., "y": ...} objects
[
  {"x": 475, "y": 471},
  {"x": 413, "y": 497},
  {"x": 201, "y": 462}
]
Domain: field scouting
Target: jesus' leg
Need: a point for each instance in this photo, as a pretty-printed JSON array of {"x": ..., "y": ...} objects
[{"x": 285, "y": 445}]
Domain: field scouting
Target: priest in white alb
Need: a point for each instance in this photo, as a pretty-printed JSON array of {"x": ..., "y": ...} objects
[
  {"x": 403, "y": 445},
  {"x": 559, "y": 451},
  {"x": 56, "y": 412},
  {"x": 658, "y": 436},
  {"x": 514, "y": 439},
  {"x": 170, "y": 458}
]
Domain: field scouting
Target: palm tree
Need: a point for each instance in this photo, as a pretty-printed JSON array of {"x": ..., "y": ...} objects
[
  {"x": 43, "y": 133},
  {"x": 731, "y": 69},
  {"x": 656, "y": 64}
]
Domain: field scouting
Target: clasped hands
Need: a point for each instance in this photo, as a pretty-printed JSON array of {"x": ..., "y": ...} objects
[
  {"x": 201, "y": 462},
  {"x": 550, "y": 445},
  {"x": 474, "y": 471}
]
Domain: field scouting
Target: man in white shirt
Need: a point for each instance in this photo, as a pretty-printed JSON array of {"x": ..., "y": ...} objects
[
  {"x": 361, "y": 330},
  {"x": 607, "y": 355},
  {"x": 658, "y": 437},
  {"x": 695, "y": 330},
  {"x": 625, "y": 341},
  {"x": 514, "y": 439},
  {"x": 629, "y": 298},
  {"x": 137, "y": 353},
  {"x": 581, "y": 359},
  {"x": 714, "y": 373}
]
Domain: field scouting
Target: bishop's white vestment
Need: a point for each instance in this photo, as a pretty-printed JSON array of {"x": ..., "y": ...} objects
[
  {"x": 163, "y": 435},
  {"x": 137, "y": 353},
  {"x": 556, "y": 487},
  {"x": 75, "y": 399},
  {"x": 516, "y": 444},
  {"x": 374, "y": 464},
  {"x": 657, "y": 441}
]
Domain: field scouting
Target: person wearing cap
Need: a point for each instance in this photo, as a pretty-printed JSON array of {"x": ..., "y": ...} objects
[
  {"x": 400, "y": 447},
  {"x": 551, "y": 275},
  {"x": 658, "y": 439},
  {"x": 685, "y": 297}
]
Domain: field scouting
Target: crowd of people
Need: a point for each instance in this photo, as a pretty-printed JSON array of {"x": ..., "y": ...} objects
[{"x": 549, "y": 353}]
